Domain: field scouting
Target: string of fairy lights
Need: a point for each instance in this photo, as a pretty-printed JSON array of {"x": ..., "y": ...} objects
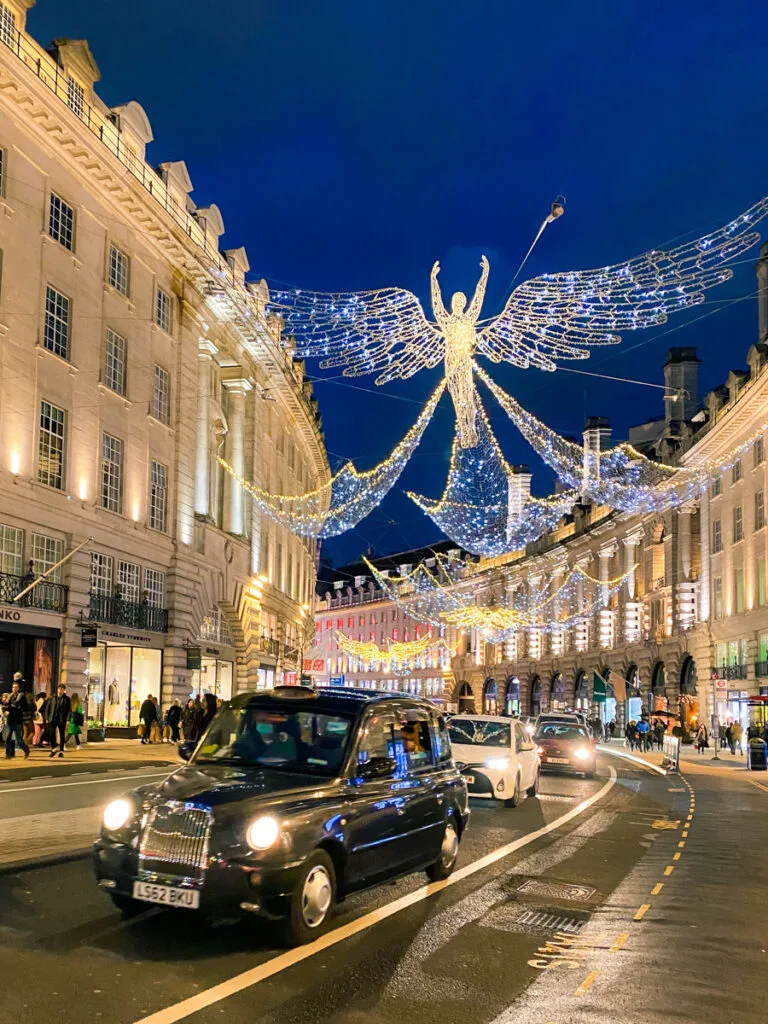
[{"x": 399, "y": 657}]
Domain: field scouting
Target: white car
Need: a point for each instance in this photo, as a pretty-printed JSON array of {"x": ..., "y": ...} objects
[{"x": 496, "y": 756}]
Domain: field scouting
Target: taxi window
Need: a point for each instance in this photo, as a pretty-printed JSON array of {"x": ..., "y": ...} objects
[
  {"x": 404, "y": 737},
  {"x": 442, "y": 739}
]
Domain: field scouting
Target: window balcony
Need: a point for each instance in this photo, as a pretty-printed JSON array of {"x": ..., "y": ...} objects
[
  {"x": 761, "y": 668},
  {"x": 268, "y": 645},
  {"x": 118, "y": 612},
  {"x": 47, "y": 596},
  {"x": 730, "y": 671}
]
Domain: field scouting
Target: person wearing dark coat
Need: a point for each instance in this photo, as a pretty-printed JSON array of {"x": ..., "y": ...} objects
[
  {"x": 16, "y": 706},
  {"x": 209, "y": 711},
  {"x": 173, "y": 720},
  {"x": 148, "y": 716},
  {"x": 56, "y": 715}
]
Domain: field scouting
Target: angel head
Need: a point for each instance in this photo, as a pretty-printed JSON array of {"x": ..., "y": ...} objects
[{"x": 458, "y": 302}]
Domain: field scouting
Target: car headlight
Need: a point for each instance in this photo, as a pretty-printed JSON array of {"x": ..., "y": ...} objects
[
  {"x": 498, "y": 764},
  {"x": 581, "y": 754},
  {"x": 540, "y": 751},
  {"x": 117, "y": 814},
  {"x": 530, "y": 729},
  {"x": 262, "y": 833}
]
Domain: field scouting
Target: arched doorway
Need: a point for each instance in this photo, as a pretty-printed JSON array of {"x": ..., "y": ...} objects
[
  {"x": 512, "y": 696},
  {"x": 582, "y": 696},
  {"x": 466, "y": 699},
  {"x": 557, "y": 693},
  {"x": 537, "y": 697},
  {"x": 689, "y": 695},
  {"x": 657, "y": 698},
  {"x": 490, "y": 697}
]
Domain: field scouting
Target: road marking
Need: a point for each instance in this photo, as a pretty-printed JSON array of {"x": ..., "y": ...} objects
[
  {"x": 657, "y": 889},
  {"x": 637, "y": 760},
  {"x": 662, "y": 825},
  {"x": 685, "y": 833},
  {"x": 669, "y": 870},
  {"x": 254, "y": 975},
  {"x": 587, "y": 984},
  {"x": 681, "y": 844},
  {"x": 82, "y": 782},
  {"x": 642, "y": 912},
  {"x": 619, "y": 942},
  {"x": 758, "y": 784},
  {"x": 676, "y": 856}
]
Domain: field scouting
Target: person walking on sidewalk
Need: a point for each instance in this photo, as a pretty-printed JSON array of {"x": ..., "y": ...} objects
[
  {"x": 17, "y": 702},
  {"x": 57, "y": 715},
  {"x": 76, "y": 720},
  {"x": 148, "y": 716},
  {"x": 173, "y": 718},
  {"x": 736, "y": 735},
  {"x": 644, "y": 734},
  {"x": 658, "y": 733},
  {"x": 38, "y": 721},
  {"x": 631, "y": 733},
  {"x": 702, "y": 740}
]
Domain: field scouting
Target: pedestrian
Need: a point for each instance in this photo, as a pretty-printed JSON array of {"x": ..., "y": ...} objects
[
  {"x": 631, "y": 733},
  {"x": 658, "y": 733},
  {"x": 644, "y": 734},
  {"x": 729, "y": 736},
  {"x": 76, "y": 719},
  {"x": 173, "y": 720},
  {"x": 38, "y": 722},
  {"x": 611, "y": 729},
  {"x": 702, "y": 739},
  {"x": 28, "y": 707},
  {"x": 209, "y": 711},
  {"x": 736, "y": 735},
  {"x": 17, "y": 702},
  {"x": 187, "y": 719},
  {"x": 56, "y": 715},
  {"x": 148, "y": 717}
]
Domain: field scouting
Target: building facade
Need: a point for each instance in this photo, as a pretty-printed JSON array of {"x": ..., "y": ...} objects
[{"x": 132, "y": 353}]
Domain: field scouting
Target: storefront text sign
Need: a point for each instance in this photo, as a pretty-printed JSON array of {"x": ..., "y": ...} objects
[
  {"x": 13, "y": 616},
  {"x": 129, "y": 638},
  {"x": 194, "y": 657},
  {"x": 89, "y": 636}
]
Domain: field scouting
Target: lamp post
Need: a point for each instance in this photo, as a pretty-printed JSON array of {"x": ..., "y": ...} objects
[{"x": 715, "y": 724}]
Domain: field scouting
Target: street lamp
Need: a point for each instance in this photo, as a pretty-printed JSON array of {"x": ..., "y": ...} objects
[{"x": 715, "y": 724}]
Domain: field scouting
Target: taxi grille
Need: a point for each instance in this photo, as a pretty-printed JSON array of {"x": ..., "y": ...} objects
[{"x": 174, "y": 840}]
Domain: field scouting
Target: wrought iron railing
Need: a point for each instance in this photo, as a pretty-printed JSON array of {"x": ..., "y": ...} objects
[
  {"x": 50, "y": 597},
  {"x": 118, "y": 612},
  {"x": 730, "y": 671}
]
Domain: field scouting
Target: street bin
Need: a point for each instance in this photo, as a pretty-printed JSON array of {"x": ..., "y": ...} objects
[{"x": 757, "y": 755}]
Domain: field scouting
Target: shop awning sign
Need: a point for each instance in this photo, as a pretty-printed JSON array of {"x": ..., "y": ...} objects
[
  {"x": 194, "y": 658},
  {"x": 598, "y": 689}
]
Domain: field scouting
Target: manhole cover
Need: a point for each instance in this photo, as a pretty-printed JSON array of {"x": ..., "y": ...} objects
[{"x": 557, "y": 890}]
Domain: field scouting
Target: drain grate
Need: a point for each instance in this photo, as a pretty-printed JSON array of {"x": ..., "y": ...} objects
[
  {"x": 549, "y": 922},
  {"x": 557, "y": 890}
]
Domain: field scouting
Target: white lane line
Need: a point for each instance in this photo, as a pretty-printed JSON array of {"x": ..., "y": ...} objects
[
  {"x": 631, "y": 757},
  {"x": 82, "y": 782},
  {"x": 294, "y": 956}
]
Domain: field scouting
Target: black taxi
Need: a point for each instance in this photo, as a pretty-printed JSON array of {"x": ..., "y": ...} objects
[{"x": 292, "y": 799}]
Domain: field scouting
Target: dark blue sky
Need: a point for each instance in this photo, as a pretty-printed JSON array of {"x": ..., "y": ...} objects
[{"x": 350, "y": 143}]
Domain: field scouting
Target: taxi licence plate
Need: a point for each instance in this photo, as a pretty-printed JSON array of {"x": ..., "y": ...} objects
[
  {"x": 470, "y": 780},
  {"x": 557, "y": 760},
  {"x": 166, "y": 895}
]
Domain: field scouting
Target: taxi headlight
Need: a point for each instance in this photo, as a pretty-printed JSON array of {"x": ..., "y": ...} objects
[
  {"x": 262, "y": 833},
  {"x": 498, "y": 764},
  {"x": 581, "y": 754},
  {"x": 117, "y": 814}
]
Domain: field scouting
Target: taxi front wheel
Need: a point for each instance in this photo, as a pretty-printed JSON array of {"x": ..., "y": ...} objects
[
  {"x": 311, "y": 901},
  {"x": 449, "y": 851}
]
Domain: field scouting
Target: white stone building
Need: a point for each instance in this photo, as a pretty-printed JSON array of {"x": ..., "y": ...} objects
[{"x": 132, "y": 351}]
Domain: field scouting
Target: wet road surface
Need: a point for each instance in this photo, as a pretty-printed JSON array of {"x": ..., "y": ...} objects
[{"x": 606, "y": 917}]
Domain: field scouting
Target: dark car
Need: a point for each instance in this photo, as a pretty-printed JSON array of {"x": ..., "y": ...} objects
[
  {"x": 565, "y": 746},
  {"x": 292, "y": 799}
]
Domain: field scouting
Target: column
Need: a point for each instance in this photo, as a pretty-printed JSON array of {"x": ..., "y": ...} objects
[
  {"x": 632, "y": 610},
  {"x": 206, "y": 351},
  {"x": 703, "y": 602},
  {"x": 582, "y": 624},
  {"x": 606, "y": 615},
  {"x": 686, "y": 587},
  {"x": 235, "y": 454}
]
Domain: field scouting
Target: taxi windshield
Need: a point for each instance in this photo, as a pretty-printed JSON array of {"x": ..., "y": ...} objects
[
  {"x": 293, "y": 739},
  {"x": 465, "y": 731},
  {"x": 560, "y": 731}
]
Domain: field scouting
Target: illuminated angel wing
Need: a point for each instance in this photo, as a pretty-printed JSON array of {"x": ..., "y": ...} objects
[
  {"x": 561, "y": 316},
  {"x": 383, "y": 332}
]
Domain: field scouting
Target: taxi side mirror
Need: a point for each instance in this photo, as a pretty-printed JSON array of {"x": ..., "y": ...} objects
[
  {"x": 186, "y": 750},
  {"x": 377, "y": 768}
]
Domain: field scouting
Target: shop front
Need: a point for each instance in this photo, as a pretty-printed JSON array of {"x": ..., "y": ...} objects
[
  {"x": 490, "y": 697},
  {"x": 537, "y": 697},
  {"x": 582, "y": 692},
  {"x": 689, "y": 697},
  {"x": 124, "y": 668},
  {"x": 29, "y": 643},
  {"x": 216, "y": 672},
  {"x": 557, "y": 693}
]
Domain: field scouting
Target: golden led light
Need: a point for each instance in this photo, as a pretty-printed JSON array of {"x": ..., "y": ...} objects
[
  {"x": 15, "y": 462},
  {"x": 82, "y": 489}
]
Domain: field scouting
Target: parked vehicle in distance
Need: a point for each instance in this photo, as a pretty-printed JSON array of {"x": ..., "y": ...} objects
[
  {"x": 565, "y": 747},
  {"x": 562, "y": 716},
  {"x": 292, "y": 799},
  {"x": 497, "y": 757}
]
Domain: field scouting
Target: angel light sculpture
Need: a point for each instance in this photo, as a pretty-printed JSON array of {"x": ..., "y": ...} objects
[{"x": 547, "y": 318}]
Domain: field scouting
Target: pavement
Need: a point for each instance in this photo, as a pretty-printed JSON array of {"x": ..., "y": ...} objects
[
  {"x": 91, "y": 758},
  {"x": 633, "y": 898}
]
